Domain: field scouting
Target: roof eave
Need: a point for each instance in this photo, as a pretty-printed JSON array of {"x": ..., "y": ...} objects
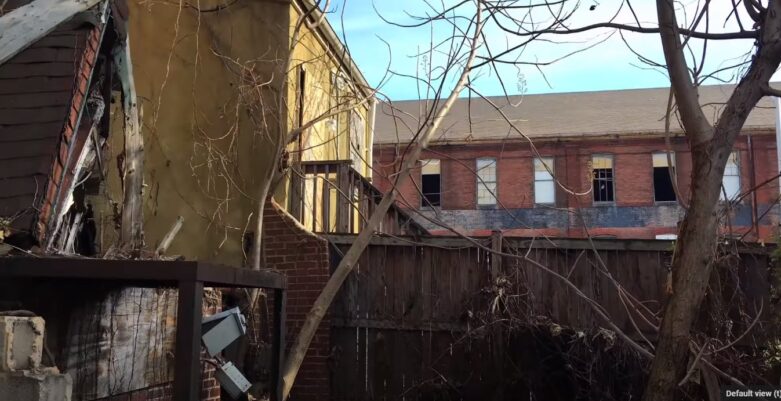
[
  {"x": 758, "y": 130},
  {"x": 327, "y": 31}
]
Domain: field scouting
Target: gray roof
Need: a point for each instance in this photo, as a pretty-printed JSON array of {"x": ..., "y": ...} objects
[{"x": 560, "y": 115}]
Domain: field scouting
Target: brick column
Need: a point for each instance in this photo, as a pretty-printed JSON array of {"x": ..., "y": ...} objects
[
  {"x": 303, "y": 257},
  {"x": 210, "y": 387}
]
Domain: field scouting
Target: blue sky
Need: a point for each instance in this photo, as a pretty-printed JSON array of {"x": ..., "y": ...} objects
[{"x": 376, "y": 45}]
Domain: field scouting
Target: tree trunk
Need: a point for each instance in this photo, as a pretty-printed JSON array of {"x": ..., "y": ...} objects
[
  {"x": 301, "y": 344},
  {"x": 691, "y": 269},
  {"x": 698, "y": 236}
]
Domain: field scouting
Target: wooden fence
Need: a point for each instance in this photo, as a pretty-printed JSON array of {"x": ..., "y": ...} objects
[{"x": 404, "y": 322}]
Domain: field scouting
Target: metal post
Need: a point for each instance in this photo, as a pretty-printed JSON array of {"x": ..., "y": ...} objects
[
  {"x": 278, "y": 352},
  {"x": 187, "y": 365}
]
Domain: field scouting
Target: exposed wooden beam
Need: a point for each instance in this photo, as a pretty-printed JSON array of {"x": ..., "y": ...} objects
[
  {"x": 27, "y": 24},
  {"x": 132, "y": 230}
]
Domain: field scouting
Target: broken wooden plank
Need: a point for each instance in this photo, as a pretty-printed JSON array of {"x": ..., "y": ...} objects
[
  {"x": 27, "y": 24},
  {"x": 170, "y": 236}
]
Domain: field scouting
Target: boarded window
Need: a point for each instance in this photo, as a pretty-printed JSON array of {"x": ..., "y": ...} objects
[
  {"x": 544, "y": 187},
  {"x": 486, "y": 181},
  {"x": 430, "y": 183},
  {"x": 663, "y": 181},
  {"x": 731, "y": 180},
  {"x": 602, "y": 170}
]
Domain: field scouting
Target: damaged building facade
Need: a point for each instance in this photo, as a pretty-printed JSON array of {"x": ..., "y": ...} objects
[
  {"x": 54, "y": 126},
  {"x": 550, "y": 164},
  {"x": 196, "y": 87}
]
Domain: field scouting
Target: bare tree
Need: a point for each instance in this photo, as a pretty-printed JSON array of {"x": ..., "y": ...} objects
[
  {"x": 711, "y": 146},
  {"x": 466, "y": 38},
  {"x": 710, "y": 142}
]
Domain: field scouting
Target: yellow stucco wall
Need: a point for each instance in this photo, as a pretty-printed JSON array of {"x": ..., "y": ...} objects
[
  {"x": 329, "y": 139},
  {"x": 205, "y": 151}
]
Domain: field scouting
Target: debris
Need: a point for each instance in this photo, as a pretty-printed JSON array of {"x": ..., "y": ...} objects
[{"x": 169, "y": 237}]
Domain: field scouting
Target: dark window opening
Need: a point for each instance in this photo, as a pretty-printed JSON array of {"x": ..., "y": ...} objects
[
  {"x": 300, "y": 97},
  {"x": 431, "y": 189},
  {"x": 663, "y": 185},
  {"x": 603, "y": 185}
]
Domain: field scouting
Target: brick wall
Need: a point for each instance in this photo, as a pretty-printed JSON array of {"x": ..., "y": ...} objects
[
  {"x": 210, "y": 387},
  {"x": 634, "y": 178},
  {"x": 458, "y": 184},
  {"x": 303, "y": 257},
  {"x": 515, "y": 180},
  {"x": 635, "y": 214},
  {"x": 409, "y": 195}
]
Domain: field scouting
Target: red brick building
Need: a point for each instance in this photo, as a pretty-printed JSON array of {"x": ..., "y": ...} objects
[{"x": 483, "y": 173}]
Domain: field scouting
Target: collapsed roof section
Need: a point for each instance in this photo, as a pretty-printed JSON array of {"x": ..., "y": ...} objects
[{"x": 53, "y": 120}]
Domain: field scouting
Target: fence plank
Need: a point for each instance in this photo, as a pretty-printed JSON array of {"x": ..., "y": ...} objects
[{"x": 398, "y": 321}]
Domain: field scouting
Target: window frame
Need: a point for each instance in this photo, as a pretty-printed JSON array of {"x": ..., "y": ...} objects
[
  {"x": 334, "y": 103},
  {"x": 674, "y": 177},
  {"x": 341, "y": 90},
  {"x": 480, "y": 181},
  {"x": 612, "y": 179},
  {"x": 301, "y": 83},
  {"x": 424, "y": 203},
  {"x": 722, "y": 188},
  {"x": 552, "y": 167},
  {"x": 357, "y": 153}
]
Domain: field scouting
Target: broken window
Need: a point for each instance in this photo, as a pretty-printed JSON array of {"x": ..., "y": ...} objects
[
  {"x": 731, "y": 180},
  {"x": 486, "y": 181},
  {"x": 602, "y": 170},
  {"x": 663, "y": 180},
  {"x": 430, "y": 183},
  {"x": 544, "y": 187}
]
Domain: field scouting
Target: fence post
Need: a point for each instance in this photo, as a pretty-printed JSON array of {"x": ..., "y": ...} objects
[
  {"x": 344, "y": 199},
  {"x": 497, "y": 337},
  {"x": 496, "y": 260},
  {"x": 296, "y": 195}
]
